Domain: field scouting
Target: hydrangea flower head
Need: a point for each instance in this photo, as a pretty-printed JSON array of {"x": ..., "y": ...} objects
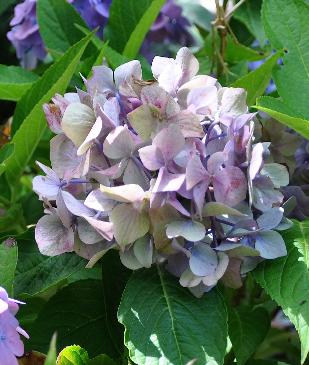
[
  {"x": 10, "y": 342},
  {"x": 166, "y": 172}
]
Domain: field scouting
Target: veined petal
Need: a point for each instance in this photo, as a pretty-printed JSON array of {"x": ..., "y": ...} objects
[
  {"x": 52, "y": 237},
  {"x": 230, "y": 186},
  {"x": 129, "y": 223}
]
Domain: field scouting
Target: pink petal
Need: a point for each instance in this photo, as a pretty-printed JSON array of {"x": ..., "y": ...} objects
[
  {"x": 199, "y": 192},
  {"x": 230, "y": 186},
  {"x": 195, "y": 172},
  {"x": 167, "y": 181},
  {"x": 170, "y": 142}
]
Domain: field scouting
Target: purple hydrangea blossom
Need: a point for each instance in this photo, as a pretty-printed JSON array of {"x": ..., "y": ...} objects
[
  {"x": 166, "y": 171},
  {"x": 170, "y": 27},
  {"x": 25, "y": 35},
  {"x": 10, "y": 342}
]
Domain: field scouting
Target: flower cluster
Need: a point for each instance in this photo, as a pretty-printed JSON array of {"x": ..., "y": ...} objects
[
  {"x": 165, "y": 171},
  {"x": 10, "y": 342},
  {"x": 170, "y": 26}
]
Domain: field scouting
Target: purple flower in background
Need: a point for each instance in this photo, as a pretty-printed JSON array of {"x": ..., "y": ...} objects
[
  {"x": 25, "y": 35},
  {"x": 170, "y": 27},
  {"x": 10, "y": 342}
]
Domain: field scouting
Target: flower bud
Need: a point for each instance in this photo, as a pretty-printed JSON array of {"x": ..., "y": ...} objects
[{"x": 77, "y": 122}]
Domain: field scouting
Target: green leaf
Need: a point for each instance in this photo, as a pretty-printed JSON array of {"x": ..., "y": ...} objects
[
  {"x": 286, "y": 26},
  {"x": 14, "y": 82},
  {"x": 8, "y": 262},
  {"x": 112, "y": 292},
  {"x": 115, "y": 59},
  {"x": 73, "y": 355},
  {"x": 236, "y": 52},
  {"x": 257, "y": 81},
  {"x": 123, "y": 19},
  {"x": 286, "y": 280},
  {"x": 52, "y": 352},
  {"x": 249, "y": 14},
  {"x": 57, "y": 32},
  {"x": 281, "y": 112},
  {"x": 36, "y": 273},
  {"x": 247, "y": 329},
  {"x": 136, "y": 39},
  {"x": 29, "y": 109},
  {"x": 4, "y": 5},
  {"x": 11, "y": 218},
  {"x": 101, "y": 360},
  {"x": 5, "y": 153},
  {"x": 165, "y": 324},
  {"x": 77, "y": 314}
]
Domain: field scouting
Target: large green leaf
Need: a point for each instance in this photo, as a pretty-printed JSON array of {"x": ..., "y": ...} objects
[
  {"x": 166, "y": 325},
  {"x": 29, "y": 109},
  {"x": 247, "y": 329},
  {"x": 112, "y": 292},
  {"x": 101, "y": 360},
  {"x": 57, "y": 32},
  {"x": 11, "y": 219},
  {"x": 123, "y": 19},
  {"x": 286, "y": 280},
  {"x": 135, "y": 41},
  {"x": 77, "y": 314},
  {"x": 257, "y": 81},
  {"x": 8, "y": 262},
  {"x": 286, "y": 26},
  {"x": 114, "y": 58},
  {"x": 14, "y": 82},
  {"x": 277, "y": 109},
  {"x": 249, "y": 14},
  {"x": 36, "y": 273}
]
